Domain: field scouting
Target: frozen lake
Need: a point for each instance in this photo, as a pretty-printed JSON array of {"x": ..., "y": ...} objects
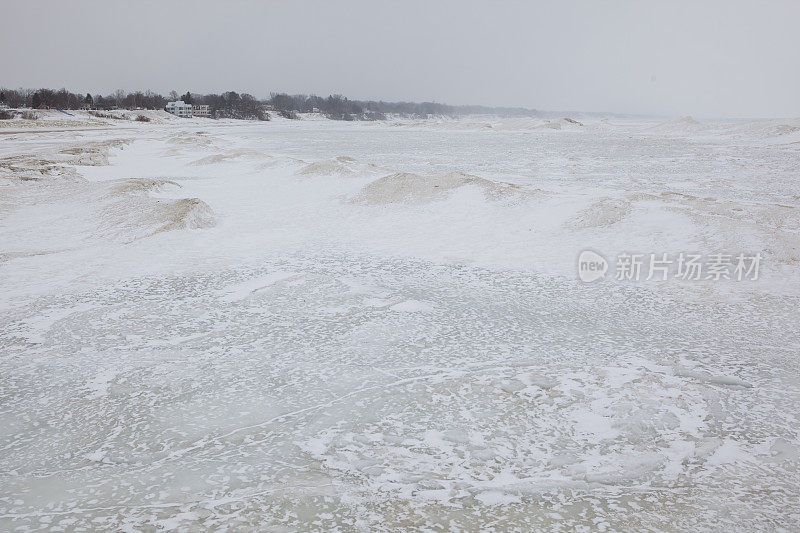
[{"x": 304, "y": 325}]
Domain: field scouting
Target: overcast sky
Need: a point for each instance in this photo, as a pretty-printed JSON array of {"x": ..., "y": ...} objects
[{"x": 704, "y": 58}]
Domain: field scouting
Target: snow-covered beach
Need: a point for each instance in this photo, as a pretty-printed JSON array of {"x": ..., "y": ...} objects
[{"x": 373, "y": 325}]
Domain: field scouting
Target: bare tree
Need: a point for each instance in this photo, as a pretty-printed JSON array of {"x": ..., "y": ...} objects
[{"x": 119, "y": 97}]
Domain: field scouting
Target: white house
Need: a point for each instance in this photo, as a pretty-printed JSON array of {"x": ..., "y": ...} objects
[{"x": 179, "y": 109}]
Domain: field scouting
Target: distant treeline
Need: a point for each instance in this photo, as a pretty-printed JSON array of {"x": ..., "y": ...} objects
[
  {"x": 244, "y": 106},
  {"x": 338, "y": 107},
  {"x": 225, "y": 105}
]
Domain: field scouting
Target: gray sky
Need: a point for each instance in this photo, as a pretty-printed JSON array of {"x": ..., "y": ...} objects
[{"x": 705, "y": 58}]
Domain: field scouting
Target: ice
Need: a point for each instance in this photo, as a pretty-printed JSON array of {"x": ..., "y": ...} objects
[
  {"x": 412, "y": 306},
  {"x": 383, "y": 328},
  {"x": 242, "y": 290},
  {"x": 98, "y": 386}
]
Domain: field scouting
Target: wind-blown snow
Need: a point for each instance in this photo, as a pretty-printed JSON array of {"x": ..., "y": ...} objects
[{"x": 311, "y": 325}]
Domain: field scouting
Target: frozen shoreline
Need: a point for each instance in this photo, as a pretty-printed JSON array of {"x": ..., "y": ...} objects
[{"x": 311, "y": 324}]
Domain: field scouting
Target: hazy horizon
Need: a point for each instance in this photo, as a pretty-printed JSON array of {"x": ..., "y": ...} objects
[{"x": 725, "y": 60}]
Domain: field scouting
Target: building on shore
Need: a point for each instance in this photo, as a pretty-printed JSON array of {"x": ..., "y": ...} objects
[
  {"x": 200, "y": 111},
  {"x": 179, "y": 109}
]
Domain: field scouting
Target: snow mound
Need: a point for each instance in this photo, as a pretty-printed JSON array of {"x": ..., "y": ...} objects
[
  {"x": 197, "y": 138},
  {"x": 564, "y": 123},
  {"x": 133, "y": 214},
  {"x": 60, "y": 164},
  {"x": 229, "y": 156},
  {"x": 494, "y": 123},
  {"x": 682, "y": 125},
  {"x": 88, "y": 157},
  {"x": 32, "y": 168},
  {"x": 186, "y": 213},
  {"x": 140, "y": 185},
  {"x": 605, "y": 212},
  {"x": 92, "y": 155},
  {"x": 767, "y": 129},
  {"x": 405, "y": 187},
  {"x": 786, "y": 129},
  {"x": 338, "y": 166}
]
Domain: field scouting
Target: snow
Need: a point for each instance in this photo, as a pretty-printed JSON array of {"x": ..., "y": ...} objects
[{"x": 315, "y": 325}]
